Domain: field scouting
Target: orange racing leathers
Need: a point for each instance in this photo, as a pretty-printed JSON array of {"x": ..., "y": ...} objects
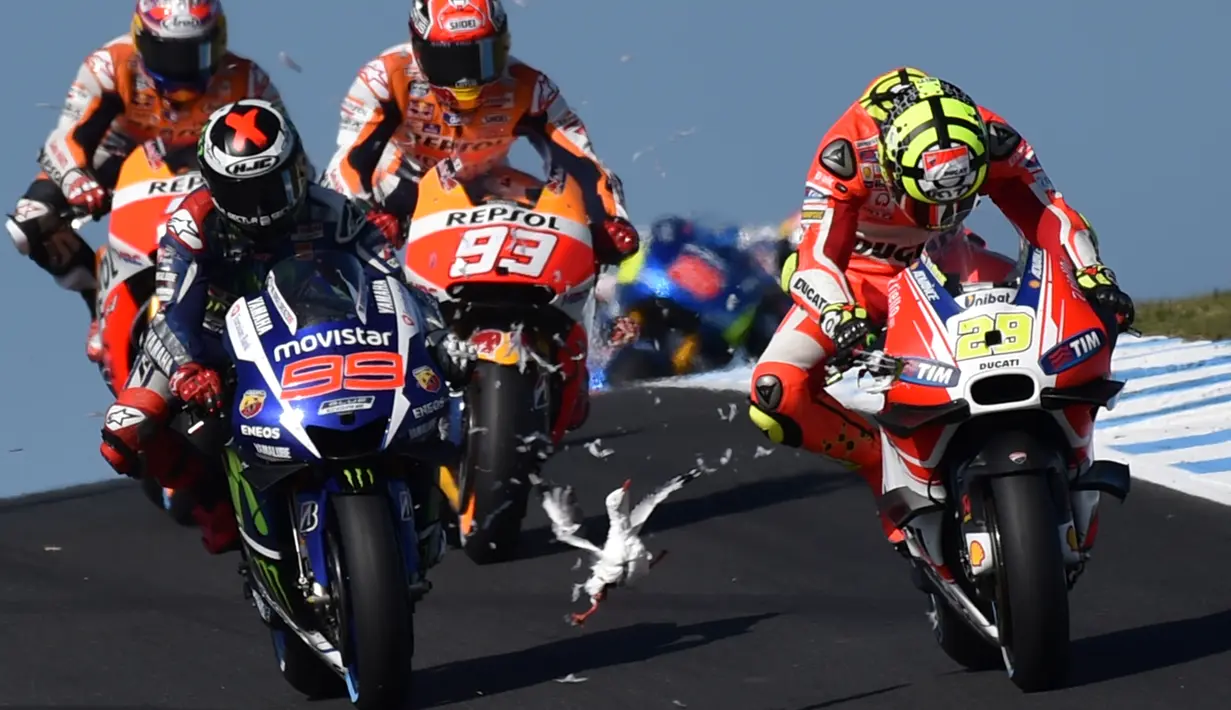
[
  {"x": 111, "y": 108},
  {"x": 855, "y": 239},
  {"x": 393, "y": 129}
]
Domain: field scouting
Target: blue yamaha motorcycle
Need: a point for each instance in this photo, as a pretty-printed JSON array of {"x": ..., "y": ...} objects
[
  {"x": 338, "y": 426},
  {"x": 697, "y": 299}
]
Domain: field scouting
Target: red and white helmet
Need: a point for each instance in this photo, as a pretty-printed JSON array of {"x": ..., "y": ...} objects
[
  {"x": 181, "y": 43},
  {"x": 462, "y": 46}
]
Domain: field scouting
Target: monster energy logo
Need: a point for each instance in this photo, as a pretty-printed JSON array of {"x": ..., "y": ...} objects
[
  {"x": 359, "y": 477},
  {"x": 273, "y": 582},
  {"x": 242, "y": 495}
]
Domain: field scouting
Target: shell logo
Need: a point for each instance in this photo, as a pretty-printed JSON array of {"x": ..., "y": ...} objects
[
  {"x": 1070, "y": 536},
  {"x": 977, "y": 554}
]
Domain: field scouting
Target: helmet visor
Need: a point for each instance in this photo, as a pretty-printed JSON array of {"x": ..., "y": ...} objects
[
  {"x": 457, "y": 65},
  {"x": 261, "y": 201},
  {"x": 180, "y": 61}
]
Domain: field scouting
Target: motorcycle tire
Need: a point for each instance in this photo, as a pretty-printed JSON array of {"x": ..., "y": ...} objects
[
  {"x": 502, "y": 419},
  {"x": 960, "y": 642},
  {"x": 375, "y": 611},
  {"x": 152, "y": 491},
  {"x": 1032, "y": 591},
  {"x": 301, "y": 667},
  {"x": 179, "y": 504}
]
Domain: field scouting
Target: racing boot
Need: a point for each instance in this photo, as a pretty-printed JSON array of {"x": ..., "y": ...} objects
[
  {"x": 219, "y": 529},
  {"x": 575, "y": 395},
  {"x": 135, "y": 420}
]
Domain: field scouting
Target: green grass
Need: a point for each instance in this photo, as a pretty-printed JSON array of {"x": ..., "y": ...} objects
[{"x": 1206, "y": 317}]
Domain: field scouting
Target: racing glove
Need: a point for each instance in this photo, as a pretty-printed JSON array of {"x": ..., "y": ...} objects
[
  {"x": 1099, "y": 284},
  {"x": 84, "y": 193},
  {"x": 455, "y": 356},
  {"x": 389, "y": 225},
  {"x": 620, "y": 241},
  {"x": 624, "y": 330},
  {"x": 848, "y": 326},
  {"x": 197, "y": 385}
]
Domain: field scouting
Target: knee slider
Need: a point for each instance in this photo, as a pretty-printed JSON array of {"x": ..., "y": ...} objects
[
  {"x": 765, "y": 400},
  {"x": 776, "y": 427},
  {"x": 36, "y": 217}
]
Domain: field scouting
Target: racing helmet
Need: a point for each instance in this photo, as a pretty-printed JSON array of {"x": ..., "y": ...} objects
[
  {"x": 180, "y": 43},
  {"x": 933, "y": 152},
  {"x": 462, "y": 46},
  {"x": 254, "y": 164}
]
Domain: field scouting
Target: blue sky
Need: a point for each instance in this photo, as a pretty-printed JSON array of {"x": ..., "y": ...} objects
[{"x": 1104, "y": 90}]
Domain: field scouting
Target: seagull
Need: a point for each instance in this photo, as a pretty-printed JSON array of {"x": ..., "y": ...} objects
[{"x": 623, "y": 558}]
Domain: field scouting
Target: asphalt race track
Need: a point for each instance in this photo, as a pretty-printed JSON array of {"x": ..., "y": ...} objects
[{"x": 778, "y": 594}]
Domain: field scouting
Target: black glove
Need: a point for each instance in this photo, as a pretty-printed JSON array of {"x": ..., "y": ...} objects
[
  {"x": 455, "y": 357},
  {"x": 848, "y": 326},
  {"x": 1099, "y": 284}
]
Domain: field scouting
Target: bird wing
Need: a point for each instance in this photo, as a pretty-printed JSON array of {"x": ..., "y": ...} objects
[
  {"x": 646, "y": 505},
  {"x": 560, "y": 504}
]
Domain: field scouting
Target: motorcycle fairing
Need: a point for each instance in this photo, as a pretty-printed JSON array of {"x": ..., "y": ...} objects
[{"x": 259, "y": 341}]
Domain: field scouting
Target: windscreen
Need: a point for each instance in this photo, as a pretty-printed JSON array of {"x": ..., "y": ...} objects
[
  {"x": 321, "y": 287},
  {"x": 965, "y": 258}
]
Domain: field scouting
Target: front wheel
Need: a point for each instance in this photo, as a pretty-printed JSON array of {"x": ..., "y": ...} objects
[
  {"x": 301, "y": 667},
  {"x": 506, "y": 423},
  {"x": 1032, "y": 601},
  {"x": 369, "y": 585},
  {"x": 960, "y": 642}
]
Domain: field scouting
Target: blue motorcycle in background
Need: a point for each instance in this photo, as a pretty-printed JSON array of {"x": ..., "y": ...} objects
[
  {"x": 696, "y": 299},
  {"x": 338, "y": 427}
]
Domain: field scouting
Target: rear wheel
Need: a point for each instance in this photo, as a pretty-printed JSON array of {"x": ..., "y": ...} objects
[
  {"x": 372, "y": 597},
  {"x": 1032, "y": 603},
  {"x": 179, "y": 503},
  {"x": 504, "y": 432},
  {"x": 151, "y": 490}
]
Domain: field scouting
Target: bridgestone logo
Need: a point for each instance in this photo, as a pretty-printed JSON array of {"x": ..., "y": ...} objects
[{"x": 331, "y": 339}]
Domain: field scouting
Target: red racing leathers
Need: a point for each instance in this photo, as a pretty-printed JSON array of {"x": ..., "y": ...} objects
[
  {"x": 855, "y": 239},
  {"x": 394, "y": 128}
]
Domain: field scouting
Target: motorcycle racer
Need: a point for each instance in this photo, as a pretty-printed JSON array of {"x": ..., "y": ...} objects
[
  {"x": 211, "y": 251},
  {"x": 158, "y": 82},
  {"x": 905, "y": 164},
  {"x": 454, "y": 92}
]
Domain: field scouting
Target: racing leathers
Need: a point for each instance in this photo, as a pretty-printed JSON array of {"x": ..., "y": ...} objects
[
  {"x": 394, "y": 128},
  {"x": 203, "y": 267},
  {"x": 111, "y": 108},
  {"x": 855, "y": 238}
]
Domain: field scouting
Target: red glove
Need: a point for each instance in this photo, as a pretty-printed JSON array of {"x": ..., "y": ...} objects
[
  {"x": 623, "y": 331},
  {"x": 389, "y": 225},
  {"x": 195, "y": 384},
  {"x": 84, "y": 193},
  {"x": 623, "y": 235}
]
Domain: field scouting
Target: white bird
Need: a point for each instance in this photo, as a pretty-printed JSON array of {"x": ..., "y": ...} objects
[{"x": 623, "y": 558}]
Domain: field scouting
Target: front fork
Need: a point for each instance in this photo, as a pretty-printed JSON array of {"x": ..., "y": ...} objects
[{"x": 290, "y": 548}]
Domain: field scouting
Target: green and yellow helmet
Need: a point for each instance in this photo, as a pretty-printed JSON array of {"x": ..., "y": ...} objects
[{"x": 933, "y": 152}]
